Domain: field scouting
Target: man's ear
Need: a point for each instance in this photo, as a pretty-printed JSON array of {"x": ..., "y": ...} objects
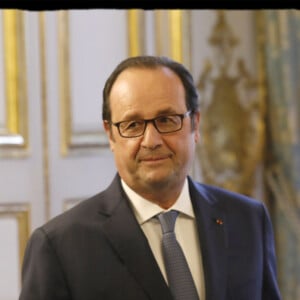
[{"x": 108, "y": 130}]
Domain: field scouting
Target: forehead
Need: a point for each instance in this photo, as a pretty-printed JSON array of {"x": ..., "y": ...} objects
[{"x": 144, "y": 90}]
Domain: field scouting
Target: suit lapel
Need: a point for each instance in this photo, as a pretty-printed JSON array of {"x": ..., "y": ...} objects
[
  {"x": 130, "y": 243},
  {"x": 211, "y": 228}
]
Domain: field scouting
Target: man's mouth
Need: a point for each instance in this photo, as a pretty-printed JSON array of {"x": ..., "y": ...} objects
[{"x": 154, "y": 158}]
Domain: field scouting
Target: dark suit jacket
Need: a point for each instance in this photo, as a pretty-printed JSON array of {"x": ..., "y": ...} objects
[{"x": 97, "y": 250}]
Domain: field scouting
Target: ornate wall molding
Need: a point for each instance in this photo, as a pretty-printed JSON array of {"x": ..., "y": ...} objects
[
  {"x": 14, "y": 135},
  {"x": 232, "y": 126}
]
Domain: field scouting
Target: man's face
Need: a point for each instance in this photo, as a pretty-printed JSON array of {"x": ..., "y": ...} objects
[{"x": 152, "y": 161}]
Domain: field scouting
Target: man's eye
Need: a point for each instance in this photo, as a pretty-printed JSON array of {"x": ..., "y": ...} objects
[
  {"x": 133, "y": 125},
  {"x": 165, "y": 120}
]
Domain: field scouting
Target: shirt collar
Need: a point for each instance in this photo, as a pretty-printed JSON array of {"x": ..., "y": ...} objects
[{"x": 144, "y": 209}]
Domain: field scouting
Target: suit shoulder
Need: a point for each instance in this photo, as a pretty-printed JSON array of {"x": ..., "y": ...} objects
[
  {"x": 89, "y": 211},
  {"x": 79, "y": 215},
  {"x": 214, "y": 194}
]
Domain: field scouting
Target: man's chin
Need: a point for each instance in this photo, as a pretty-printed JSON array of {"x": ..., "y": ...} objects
[{"x": 158, "y": 180}]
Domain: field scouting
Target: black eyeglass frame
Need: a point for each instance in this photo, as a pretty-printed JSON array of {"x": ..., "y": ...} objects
[{"x": 146, "y": 121}]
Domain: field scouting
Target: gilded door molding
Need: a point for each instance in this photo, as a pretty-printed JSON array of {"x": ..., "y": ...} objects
[{"x": 14, "y": 133}]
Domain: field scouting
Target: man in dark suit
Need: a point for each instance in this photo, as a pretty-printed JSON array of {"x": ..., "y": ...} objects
[{"x": 109, "y": 246}]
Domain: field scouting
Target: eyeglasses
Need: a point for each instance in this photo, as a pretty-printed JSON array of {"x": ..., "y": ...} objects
[{"x": 163, "y": 124}]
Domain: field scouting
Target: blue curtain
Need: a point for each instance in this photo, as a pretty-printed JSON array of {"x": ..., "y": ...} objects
[{"x": 282, "y": 62}]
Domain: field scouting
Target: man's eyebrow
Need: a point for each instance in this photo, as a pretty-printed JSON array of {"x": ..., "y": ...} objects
[{"x": 138, "y": 116}]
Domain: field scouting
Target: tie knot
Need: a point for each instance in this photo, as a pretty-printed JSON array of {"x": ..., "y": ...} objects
[{"x": 167, "y": 220}]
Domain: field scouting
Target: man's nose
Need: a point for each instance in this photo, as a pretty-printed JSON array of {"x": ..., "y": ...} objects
[{"x": 151, "y": 138}]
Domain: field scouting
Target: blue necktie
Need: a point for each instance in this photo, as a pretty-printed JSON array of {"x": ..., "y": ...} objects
[{"x": 180, "y": 279}]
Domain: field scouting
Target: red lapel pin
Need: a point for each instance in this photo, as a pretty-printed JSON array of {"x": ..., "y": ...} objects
[{"x": 219, "y": 221}]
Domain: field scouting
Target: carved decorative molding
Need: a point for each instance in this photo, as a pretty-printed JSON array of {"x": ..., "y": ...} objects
[{"x": 232, "y": 125}]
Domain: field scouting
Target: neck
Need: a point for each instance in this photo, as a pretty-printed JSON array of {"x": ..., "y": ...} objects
[
  {"x": 163, "y": 195},
  {"x": 165, "y": 201}
]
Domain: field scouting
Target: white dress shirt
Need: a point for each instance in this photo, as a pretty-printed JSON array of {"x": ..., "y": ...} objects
[{"x": 185, "y": 230}]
